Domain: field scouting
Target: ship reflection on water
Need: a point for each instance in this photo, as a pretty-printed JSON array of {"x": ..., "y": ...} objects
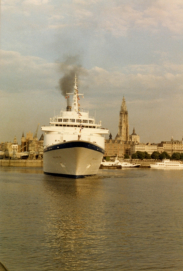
[{"x": 72, "y": 228}]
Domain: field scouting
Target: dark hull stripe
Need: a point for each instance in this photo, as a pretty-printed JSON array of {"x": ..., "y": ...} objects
[
  {"x": 68, "y": 175},
  {"x": 74, "y": 144}
]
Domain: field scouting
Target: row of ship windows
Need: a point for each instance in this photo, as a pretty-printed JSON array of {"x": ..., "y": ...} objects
[
  {"x": 75, "y": 120},
  {"x": 64, "y": 125}
]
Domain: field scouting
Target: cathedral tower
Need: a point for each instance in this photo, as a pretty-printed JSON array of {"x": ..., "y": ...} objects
[{"x": 123, "y": 128}]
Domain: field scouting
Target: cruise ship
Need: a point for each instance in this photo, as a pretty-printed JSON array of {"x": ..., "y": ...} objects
[
  {"x": 73, "y": 142},
  {"x": 167, "y": 164}
]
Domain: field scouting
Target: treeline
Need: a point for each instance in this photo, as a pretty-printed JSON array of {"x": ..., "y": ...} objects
[{"x": 156, "y": 155}]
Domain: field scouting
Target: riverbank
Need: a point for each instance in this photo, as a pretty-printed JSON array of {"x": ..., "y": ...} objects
[
  {"x": 21, "y": 163},
  {"x": 39, "y": 163}
]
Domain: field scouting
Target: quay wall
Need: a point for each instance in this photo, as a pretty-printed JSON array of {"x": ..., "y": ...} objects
[
  {"x": 143, "y": 163},
  {"x": 20, "y": 163},
  {"x": 39, "y": 163}
]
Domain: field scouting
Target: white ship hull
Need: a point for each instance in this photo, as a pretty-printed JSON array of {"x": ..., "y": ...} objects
[
  {"x": 167, "y": 167},
  {"x": 72, "y": 159}
]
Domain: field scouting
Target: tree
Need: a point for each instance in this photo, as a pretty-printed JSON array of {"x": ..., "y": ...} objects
[
  {"x": 140, "y": 155},
  {"x": 164, "y": 155},
  {"x": 126, "y": 156},
  {"x": 155, "y": 155},
  {"x": 147, "y": 155},
  {"x": 175, "y": 156},
  {"x": 134, "y": 156}
]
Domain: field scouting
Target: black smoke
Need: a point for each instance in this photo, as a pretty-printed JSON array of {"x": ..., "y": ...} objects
[{"x": 69, "y": 68}]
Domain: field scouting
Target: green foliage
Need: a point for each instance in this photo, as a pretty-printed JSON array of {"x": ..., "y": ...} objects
[
  {"x": 164, "y": 155},
  {"x": 140, "y": 155},
  {"x": 176, "y": 156},
  {"x": 126, "y": 156},
  {"x": 155, "y": 155},
  {"x": 147, "y": 155},
  {"x": 134, "y": 156}
]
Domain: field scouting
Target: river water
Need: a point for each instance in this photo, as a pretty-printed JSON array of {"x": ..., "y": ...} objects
[{"x": 118, "y": 220}]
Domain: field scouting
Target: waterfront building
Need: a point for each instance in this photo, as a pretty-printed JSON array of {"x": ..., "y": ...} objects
[
  {"x": 123, "y": 127},
  {"x": 2, "y": 146},
  {"x": 171, "y": 146},
  {"x": 36, "y": 147},
  {"x": 117, "y": 148},
  {"x": 25, "y": 141},
  {"x": 30, "y": 147},
  {"x": 11, "y": 149},
  {"x": 134, "y": 137},
  {"x": 121, "y": 145},
  {"x": 142, "y": 147}
]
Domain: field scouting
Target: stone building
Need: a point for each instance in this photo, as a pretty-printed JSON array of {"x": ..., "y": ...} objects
[
  {"x": 11, "y": 149},
  {"x": 123, "y": 127},
  {"x": 31, "y": 147},
  {"x": 36, "y": 148},
  {"x": 25, "y": 141},
  {"x": 121, "y": 145},
  {"x": 165, "y": 146},
  {"x": 134, "y": 137},
  {"x": 117, "y": 148},
  {"x": 142, "y": 147},
  {"x": 171, "y": 146}
]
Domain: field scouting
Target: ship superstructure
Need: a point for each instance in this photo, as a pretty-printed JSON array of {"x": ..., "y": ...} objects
[{"x": 73, "y": 142}]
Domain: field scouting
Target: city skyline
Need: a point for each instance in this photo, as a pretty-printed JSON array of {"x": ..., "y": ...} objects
[{"x": 123, "y": 48}]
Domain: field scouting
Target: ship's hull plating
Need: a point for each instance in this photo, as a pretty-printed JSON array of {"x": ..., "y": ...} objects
[
  {"x": 167, "y": 167},
  {"x": 74, "y": 159}
]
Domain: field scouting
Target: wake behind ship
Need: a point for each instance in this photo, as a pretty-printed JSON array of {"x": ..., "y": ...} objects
[{"x": 73, "y": 142}]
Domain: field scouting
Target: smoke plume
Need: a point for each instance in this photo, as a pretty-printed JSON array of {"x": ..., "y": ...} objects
[{"x": 69, "y": 68}]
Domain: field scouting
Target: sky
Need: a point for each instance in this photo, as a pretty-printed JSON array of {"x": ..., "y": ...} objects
[{"x": 130, "y": 48}]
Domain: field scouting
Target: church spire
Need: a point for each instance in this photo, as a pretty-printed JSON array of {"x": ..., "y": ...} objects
[
  {"x": 123, "y": 106},
  {"x": 123, "y": 127},
  {"x": 133, "y": 131}
]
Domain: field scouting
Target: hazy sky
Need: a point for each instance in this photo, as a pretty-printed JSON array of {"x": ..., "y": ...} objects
[{"x": 130, "y": 48}]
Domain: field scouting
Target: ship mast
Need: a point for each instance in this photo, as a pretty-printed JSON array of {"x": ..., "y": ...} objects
[{"x": 75, "y": 104}]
